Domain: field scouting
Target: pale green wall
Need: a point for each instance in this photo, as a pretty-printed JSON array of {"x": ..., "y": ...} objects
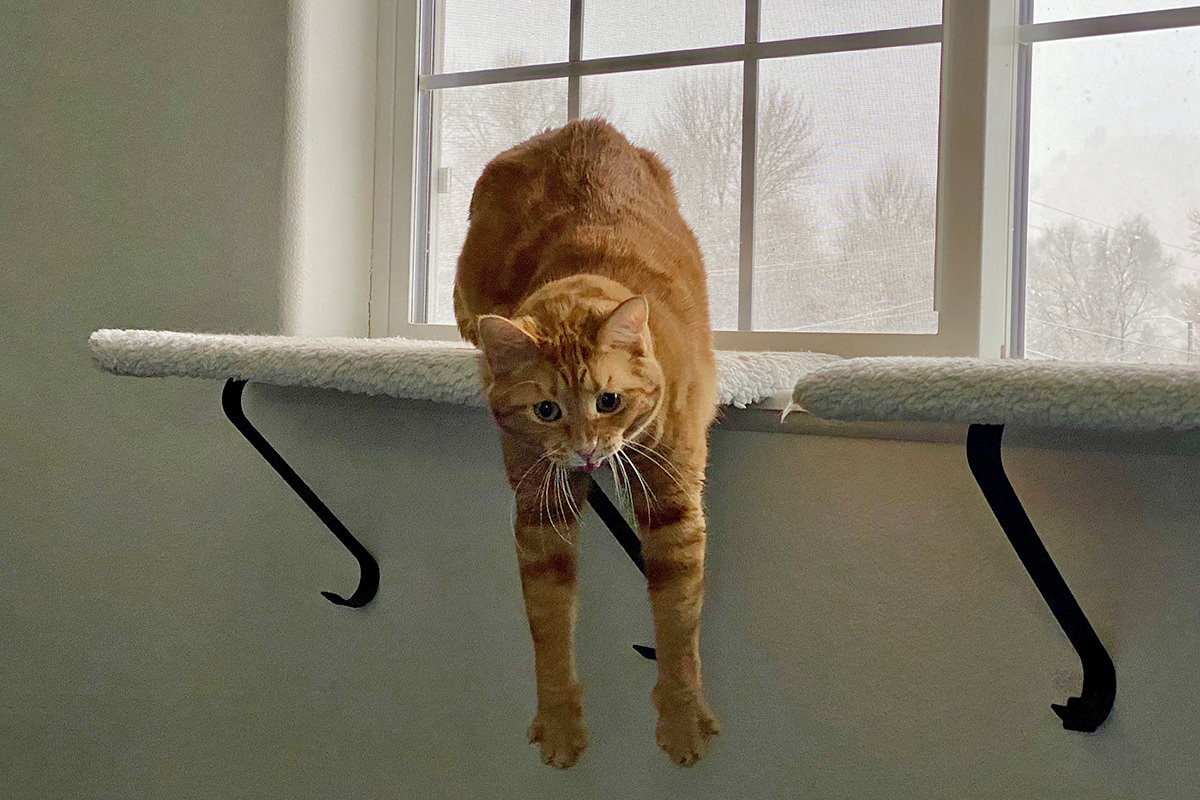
[{"x": 869, "y": 633}]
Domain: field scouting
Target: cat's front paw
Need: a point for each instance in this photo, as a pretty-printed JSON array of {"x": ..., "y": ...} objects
[
  {"x": 561, "y": 734},
  {"x": 686, "y": 727}
]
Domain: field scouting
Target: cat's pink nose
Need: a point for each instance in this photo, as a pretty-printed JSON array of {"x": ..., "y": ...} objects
[{"x": 588, "y": 457}]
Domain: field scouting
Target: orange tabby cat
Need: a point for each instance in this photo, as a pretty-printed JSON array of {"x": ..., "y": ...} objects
[{"x": 584, "y": 288}]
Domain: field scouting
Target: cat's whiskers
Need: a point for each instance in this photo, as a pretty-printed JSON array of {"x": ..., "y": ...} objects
[
  {"x": 513, "y": 509},
  {"x": 558, "y": 498},
  {"x": 543, "y": 457},
  {"x": 624, "y": 491},
  {"x": 544, "y": 497},
  {"x": 566, "y": 480},
  {"x": 621, "y": 483},
  {"x": 561, "y": 485},
  {"x": 659, "y": 460},
  {"x": 559, "y": 493},
  {"x": 646, "y": 493}
]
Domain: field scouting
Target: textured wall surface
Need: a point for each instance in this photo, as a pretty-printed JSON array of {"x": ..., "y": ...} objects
[{"x": 869, "y": 633}]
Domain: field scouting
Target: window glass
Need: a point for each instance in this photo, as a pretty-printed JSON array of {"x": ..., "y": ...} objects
[
  {"x": 795, "y": 19},
  {"x": 1113, "y": 257},
  {"x": 846, "y": 154},
  {"x": 482, "y": 34},
  {"x": 630, "y": 27},
  {"x": 846, "y": 192}
]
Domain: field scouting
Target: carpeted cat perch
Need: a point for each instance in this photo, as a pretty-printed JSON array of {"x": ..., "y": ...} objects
[
  {"x": 1130, "y": 397},
  {"x": 443, "y": 372}
]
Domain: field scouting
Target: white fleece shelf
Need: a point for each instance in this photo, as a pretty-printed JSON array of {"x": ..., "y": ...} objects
[
  {"x": 972, "y": 390},
  {"x": 444, "y": 372}
]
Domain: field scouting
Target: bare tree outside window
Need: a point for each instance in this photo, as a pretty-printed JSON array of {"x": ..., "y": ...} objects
[
  {"x": 1113, "y": 230},
  {"x": 1099, "y": 294},
  {"x": 887, "y": 237},
  {"x": 697, "y": 133}
]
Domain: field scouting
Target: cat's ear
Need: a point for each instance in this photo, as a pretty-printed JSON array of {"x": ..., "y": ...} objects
[
  {"x": 626, "y": 325},
  {"x": 504, "y": 343}
]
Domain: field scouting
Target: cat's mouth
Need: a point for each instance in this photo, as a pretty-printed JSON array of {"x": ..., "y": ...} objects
[{"x": 589, "y": 463}]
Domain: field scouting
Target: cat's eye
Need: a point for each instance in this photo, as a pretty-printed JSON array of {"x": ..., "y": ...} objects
[
  {"x": 547, "y": 411},
  {"x": 608, "y": 402}
]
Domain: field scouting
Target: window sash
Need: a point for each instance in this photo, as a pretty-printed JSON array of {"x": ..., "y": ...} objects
[
  {"x": 961, "y": 119},
  {"x": 1029, "y": 33}
]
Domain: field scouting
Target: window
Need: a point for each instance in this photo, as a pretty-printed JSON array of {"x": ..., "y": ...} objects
[
  {"x": 1112, "y": 197},
  {"x": 865, "y": 178}
]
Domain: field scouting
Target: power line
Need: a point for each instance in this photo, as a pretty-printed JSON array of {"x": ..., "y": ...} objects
[
  {"x": 1042, "y": 229},
  {"x": 873, "y": 315},
  {"x": 1107, "y": 336},
  {"x": 1181, "y": 248}
]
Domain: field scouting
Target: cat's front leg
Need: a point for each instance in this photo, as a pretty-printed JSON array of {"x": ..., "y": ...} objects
[
  {"x": 546, "y": 557},
  {"x": 673, "y": 548}
]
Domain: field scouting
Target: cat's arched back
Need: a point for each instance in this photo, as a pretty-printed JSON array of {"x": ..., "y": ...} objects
[{"x": 578, "y": 199}]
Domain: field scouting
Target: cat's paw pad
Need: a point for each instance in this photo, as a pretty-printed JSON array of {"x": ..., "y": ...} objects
[
  {"x": 685, "y": 730},
  {"x": 561, "y": 735}
]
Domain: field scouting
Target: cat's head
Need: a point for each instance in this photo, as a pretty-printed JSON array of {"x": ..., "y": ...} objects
[{"x": 576, "y": 386}]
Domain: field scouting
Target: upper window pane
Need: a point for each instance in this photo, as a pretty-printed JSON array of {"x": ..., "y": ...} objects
[
  {"x": 1113, "y": 259},
  {"x": 846, "y": 192},
  {"x": 631, "y": 27},
  {"x": 796, "y": 19},
  {"x": 1054, "y": 10},
  {"x": 481, "y": 34}
]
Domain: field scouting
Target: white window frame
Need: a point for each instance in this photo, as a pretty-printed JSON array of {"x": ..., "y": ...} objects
[{"x": 983, "y": 127}]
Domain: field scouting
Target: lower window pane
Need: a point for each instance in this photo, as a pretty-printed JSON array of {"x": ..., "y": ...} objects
[
  {"x": 471, "y": 126},
  {"x": 846, "y": 192},
  {"x": 692, "y": 118},
  {"x": 1113, "y": 253}
]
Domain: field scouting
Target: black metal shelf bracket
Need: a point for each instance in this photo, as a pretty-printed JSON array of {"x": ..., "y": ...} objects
[
  {"x": 1088, "y": 711},
  {"x": 625, "y": 535},
  {"x": 368, "y": 582}
]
